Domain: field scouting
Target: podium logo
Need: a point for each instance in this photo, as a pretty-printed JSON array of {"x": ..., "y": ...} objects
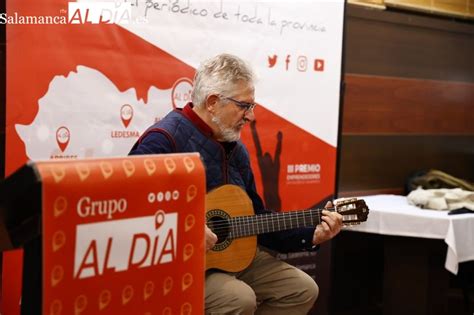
[
  {"x": 63, "y": 135},
  {"x": 86, "y": 207},
  {"x": 272, "y": 61},
  {"x": 121, "y": 245},
  {"x": 126, "y": 114}
]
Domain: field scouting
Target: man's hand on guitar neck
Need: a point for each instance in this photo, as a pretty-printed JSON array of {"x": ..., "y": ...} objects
[
  {"x": 211, "y": 239},
  {"x": 331, "y": 224}
]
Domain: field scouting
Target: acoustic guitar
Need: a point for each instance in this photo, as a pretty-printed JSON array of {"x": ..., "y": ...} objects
[{"x": 230, "y": 215}]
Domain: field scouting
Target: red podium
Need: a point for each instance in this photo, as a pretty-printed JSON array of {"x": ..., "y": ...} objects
[{"x": 109, "y": 236}]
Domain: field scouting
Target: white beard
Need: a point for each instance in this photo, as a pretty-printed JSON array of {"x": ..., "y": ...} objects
[{"x": 227, "y": 134}]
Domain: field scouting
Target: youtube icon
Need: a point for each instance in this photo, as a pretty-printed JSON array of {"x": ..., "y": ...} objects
[{"x": 318, "y": 64}]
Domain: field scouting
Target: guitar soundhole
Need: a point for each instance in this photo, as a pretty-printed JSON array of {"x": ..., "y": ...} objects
[
  {"x": 220, "y": 227},
  {"x": 218, "y": 222}
]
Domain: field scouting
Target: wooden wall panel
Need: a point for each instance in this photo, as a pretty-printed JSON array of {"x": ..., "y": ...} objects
[
  {"x": 408, "y": 102},
  {"x": 456, "y": 8},
  {"x": 387, "y": 105},
  {"x": 381, "y": 164},
  {"x": 400, "y": 44}
]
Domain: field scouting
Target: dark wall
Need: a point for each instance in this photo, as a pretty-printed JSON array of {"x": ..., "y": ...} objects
[{"x": 409, "y": 99}]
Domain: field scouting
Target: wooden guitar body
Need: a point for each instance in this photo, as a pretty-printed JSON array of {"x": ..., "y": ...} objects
[{"x": 231, "y": 255}]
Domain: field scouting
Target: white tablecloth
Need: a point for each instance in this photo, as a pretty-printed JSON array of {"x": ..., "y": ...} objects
[{"x": 392, "y": 215}]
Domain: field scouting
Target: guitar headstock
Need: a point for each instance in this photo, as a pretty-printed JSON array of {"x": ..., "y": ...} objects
[{"x": 353, "y": 210}]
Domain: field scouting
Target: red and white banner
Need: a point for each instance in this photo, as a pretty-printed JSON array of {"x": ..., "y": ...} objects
[
  {"x": 123, "y": 236},
  {"x": 86, "y": 78}
]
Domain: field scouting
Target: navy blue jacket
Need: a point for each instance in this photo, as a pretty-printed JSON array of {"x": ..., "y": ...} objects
[{"x": 225, "y": 163}]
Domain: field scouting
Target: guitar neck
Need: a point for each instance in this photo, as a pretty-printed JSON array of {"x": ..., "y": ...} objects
[{"x": 273, "y": 222}]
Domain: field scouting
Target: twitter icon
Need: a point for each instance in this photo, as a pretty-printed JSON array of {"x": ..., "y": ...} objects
[{"x": 272, "y": 61}]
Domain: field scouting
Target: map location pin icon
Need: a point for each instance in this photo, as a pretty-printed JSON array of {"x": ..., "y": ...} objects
[
  {"x": 159, "y": 218},
  {"x": 187, "y": 281},
  {"x": 104, "y": 299},
  {"x": 148, "y": 290},
  {"x": 63, "y": 136},
  {"x": 80, "y": 304},
  {"x": 167, "y": 285},
  {"x": 126, "y": 114},
  {"x": 127, "y": 294},
  {"x": 56, "y": 307}
]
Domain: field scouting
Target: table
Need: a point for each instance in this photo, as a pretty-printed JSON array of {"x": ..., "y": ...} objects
[
  {"x": 392, "y": 215},
  {"x": 415, "y": 264}
]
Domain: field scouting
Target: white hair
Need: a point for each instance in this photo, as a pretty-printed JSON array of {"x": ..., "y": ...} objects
[{"x": 219, "y": 75}]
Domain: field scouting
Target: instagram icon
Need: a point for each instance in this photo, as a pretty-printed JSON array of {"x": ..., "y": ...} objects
[{"x": 302, "y": 63}]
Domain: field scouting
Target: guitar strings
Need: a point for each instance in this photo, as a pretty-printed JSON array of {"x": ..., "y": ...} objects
[
  {"x": 264, "y": 217},
  {"x": 271, "y": 216},
  {"x": 246, "y": 222}
]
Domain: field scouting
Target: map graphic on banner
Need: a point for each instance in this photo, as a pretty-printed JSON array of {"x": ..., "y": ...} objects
[
  {"x": 106, "y": 121},
  {"x": 90, "y": 90}
]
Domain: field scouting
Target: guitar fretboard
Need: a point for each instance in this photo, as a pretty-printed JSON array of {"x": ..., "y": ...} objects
[{"x": 273, "y": 222}]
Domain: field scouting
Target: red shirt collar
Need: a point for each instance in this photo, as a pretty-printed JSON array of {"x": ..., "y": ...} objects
[{"x": 190, "y": 114}]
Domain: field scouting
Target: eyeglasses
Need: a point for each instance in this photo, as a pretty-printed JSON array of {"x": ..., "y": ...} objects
[{"x": 244, "y": 105}]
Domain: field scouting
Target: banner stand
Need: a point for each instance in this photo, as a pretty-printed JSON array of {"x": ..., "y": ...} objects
[{"x": 115, "y": 235}]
